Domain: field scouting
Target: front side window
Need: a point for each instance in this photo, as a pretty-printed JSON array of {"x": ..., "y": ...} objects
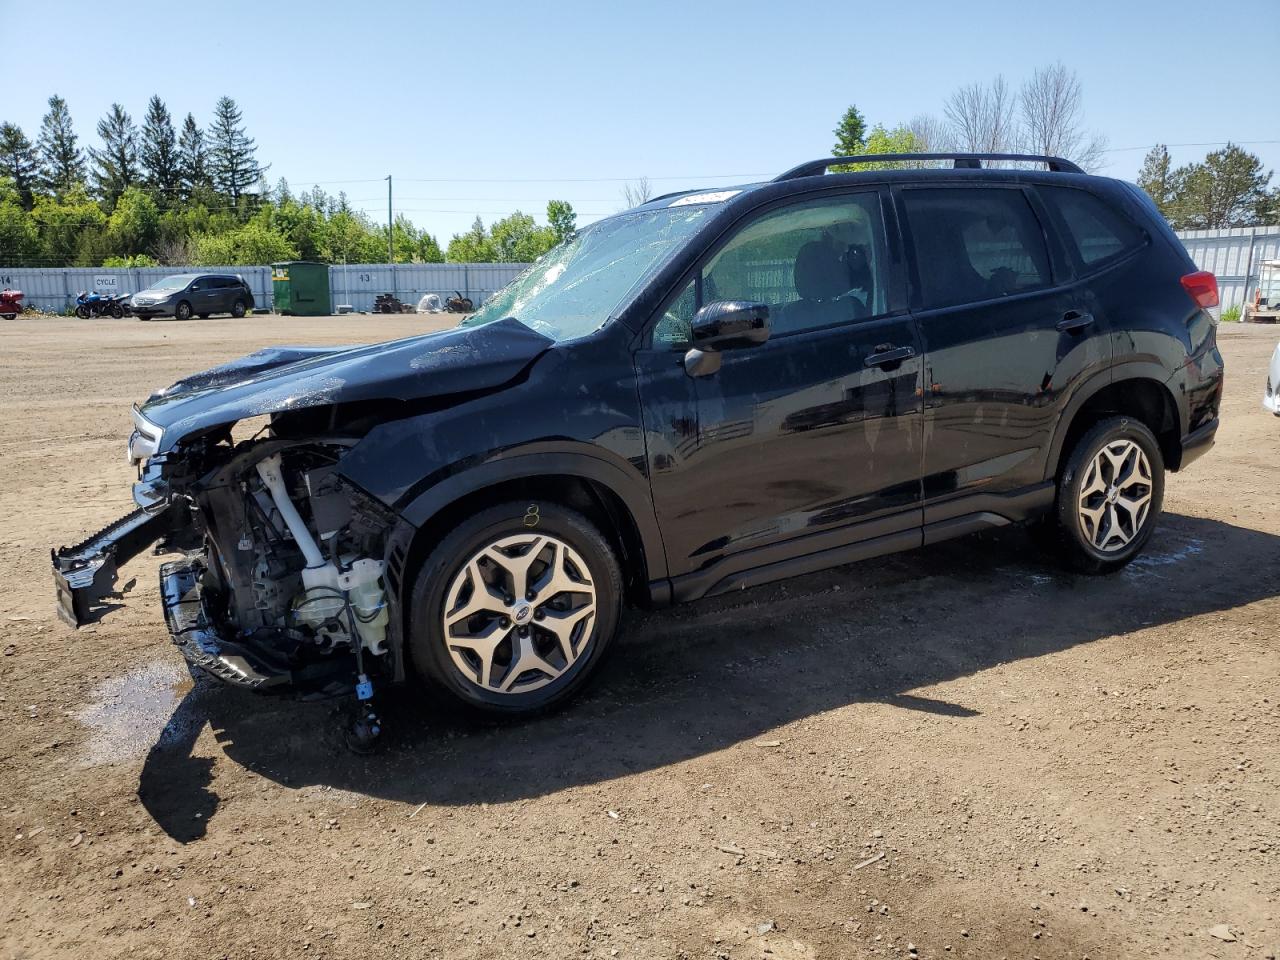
[
  {"x": 1096, "y": 232},
  {"x": 815, "y": 264},
  {"x": 974, "y": 244}
]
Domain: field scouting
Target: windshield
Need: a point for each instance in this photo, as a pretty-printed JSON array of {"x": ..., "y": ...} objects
[
  {"x": 174, "y": 283},
  {"x": 574, "y": 289}
]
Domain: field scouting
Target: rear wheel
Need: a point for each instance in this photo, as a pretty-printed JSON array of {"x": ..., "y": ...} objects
[
  {"x": 117, "y": 311},
  {"x": 1109, "y": 497},
  {"x": 182, "y": 311},
  {"x": 514, "y": 609},
  {"x": 237, "y": 309}
]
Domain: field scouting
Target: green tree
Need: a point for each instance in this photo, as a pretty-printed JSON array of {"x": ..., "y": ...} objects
[
  {"x": 1157, "y": 178},
  {"x": 429, "y": 249},
  {"x": 19, "y": 239},
  {"x": 562, "y": 219},
  {"x": 137, "y": 260},
  {"x": 351, "y": 239},
  {"x": 18, "y": 162},
  {"x": 134, "y": 225},
  {"x": 232, "y": 155},
  {"x": 193, "y": 159},
  {"x": 116, "y": 164},
  {"x": 159, "y": 154},
  {"x": 61, "y": 162},
  {"x": 250, "y": 244},
  {"x": 474, "y": 246},
  {"x": 519, "y": 239},
  {"x": 68, "y": 226},
  {"x": 901, "y": 139},
  {"x": 850, "y": 134},
  {"x": 1223, "y": 191}
]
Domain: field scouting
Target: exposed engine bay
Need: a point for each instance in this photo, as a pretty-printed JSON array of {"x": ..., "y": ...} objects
[{"x": 279, "y": 582}]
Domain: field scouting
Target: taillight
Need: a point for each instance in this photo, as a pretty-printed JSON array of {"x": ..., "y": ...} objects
[{"x": 1202, "y": 286}]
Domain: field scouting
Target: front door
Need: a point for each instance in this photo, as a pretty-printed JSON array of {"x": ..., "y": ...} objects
[
  {"x": 1007, "y": 338},
  {"x": 809, "y": 441}
]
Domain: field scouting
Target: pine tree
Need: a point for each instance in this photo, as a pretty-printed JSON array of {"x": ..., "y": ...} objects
[
  {"x": 18, "y": 162},
  {"x": 116, "y": 164},
  {"x": 159, "y": 153},
  {"x": 61, "y": 162},
  {"x": 193, "y": 158},
  {"x": 851, "y": 134},
  {"x": 1157, "y": 179},
  {"x": 232, "y": 161}
]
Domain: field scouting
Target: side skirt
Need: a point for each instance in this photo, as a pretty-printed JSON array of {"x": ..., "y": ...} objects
[{"x": 945, "y": 521}]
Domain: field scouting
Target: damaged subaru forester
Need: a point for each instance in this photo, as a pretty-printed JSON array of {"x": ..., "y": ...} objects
[{"x": 709, "y": 391}]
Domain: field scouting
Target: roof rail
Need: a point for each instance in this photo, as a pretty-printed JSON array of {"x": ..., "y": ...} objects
[{"x": 962, "y": 161}]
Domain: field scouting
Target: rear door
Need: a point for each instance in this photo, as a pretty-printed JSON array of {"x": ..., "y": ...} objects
[
  {"x": 204, "y": 295},
  {"x": 1007, "y": 337},
  {"x": 811, "y": 440}
]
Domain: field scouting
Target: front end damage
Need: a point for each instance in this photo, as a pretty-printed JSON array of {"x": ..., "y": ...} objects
[
  {"x": 286, "y": 572},
  {"x": 278, "y": 580}
]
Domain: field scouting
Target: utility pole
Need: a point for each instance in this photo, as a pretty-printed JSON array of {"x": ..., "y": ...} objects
[{"x": 390, "y": 249}]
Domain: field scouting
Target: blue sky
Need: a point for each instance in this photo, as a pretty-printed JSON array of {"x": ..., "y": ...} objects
[{"x": 460, "y": 102}]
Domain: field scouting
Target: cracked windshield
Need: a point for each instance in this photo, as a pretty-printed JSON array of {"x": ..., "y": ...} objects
[{"x": 576, "y": 287}]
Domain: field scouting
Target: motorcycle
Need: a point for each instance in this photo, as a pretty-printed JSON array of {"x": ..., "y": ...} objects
[
  {"x": 118, "y": 305},
  {"x": 96, "y": 305},
  {"x": 10, "y": 303}
]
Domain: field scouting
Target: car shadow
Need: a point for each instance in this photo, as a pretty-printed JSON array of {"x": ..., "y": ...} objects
[{"x": 695, "y": 679}]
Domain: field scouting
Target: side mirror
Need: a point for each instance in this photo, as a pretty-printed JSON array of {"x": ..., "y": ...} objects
[
  {"x": 195, "y": 287},
  {"x": 724, "y": 325}
]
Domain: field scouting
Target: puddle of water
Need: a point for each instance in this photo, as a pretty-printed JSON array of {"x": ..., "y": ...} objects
[
  {"x": 130, "y": 714},
  {"x": 1176, "y": 552}
]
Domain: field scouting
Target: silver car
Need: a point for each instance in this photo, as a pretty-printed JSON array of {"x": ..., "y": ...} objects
[{"x": 193, "y": 294}]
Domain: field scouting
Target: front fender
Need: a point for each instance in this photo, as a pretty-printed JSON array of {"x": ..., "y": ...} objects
[{"x": 543, "y": 460}]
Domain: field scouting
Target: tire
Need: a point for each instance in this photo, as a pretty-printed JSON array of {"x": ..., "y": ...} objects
[
  {"x": 448, "y": 577},
  {"x": 117, "y": 311},
  {"x": 82, "y": 312},
  {"x": 182, "y": 311},
  {"x": 237, "y": 309},
  {"x": 1098, "y": 525}
]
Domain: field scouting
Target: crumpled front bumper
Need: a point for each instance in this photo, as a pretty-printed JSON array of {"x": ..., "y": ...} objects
[{"x": 86, "y": 573}]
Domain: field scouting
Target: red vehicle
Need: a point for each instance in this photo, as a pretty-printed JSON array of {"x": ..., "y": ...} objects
[{"x": 10, "y": 303}]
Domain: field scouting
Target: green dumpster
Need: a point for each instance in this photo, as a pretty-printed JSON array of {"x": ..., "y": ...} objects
[{"x": 301, "y": 288}]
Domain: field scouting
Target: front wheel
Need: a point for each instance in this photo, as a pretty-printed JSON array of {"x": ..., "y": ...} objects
[
  {"x": 237, "y": 309},
  {"x": 82, "y": 312},
  {"x": 117, "y": 311},
  {"x": 514, "y": 609},
  {"x": 1109, "y": 497},
  {"x": 182, "y": 311}
]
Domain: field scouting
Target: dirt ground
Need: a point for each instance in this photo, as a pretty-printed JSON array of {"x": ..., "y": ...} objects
[{"x": 954, "y": 753}]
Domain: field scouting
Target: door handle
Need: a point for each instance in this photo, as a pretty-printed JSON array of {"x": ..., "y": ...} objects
[
  {"x": 886, "y": 355},
  {"x": 1074, "y": 320}
]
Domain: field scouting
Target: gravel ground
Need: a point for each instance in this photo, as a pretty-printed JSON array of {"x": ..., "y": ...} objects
[{"x": 954, "y": 753}]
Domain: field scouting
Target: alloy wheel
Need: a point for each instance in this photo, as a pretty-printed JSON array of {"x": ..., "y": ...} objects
[
  {"x": 1115, "y": 496},
  {"x": 519, "y": 613}
]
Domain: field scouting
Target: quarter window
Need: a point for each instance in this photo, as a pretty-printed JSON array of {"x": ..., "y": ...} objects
[
  {"x": 1096, "y": 232},
  {"x": 975, "y": 244},
  {"x": 815, "y": 264}
]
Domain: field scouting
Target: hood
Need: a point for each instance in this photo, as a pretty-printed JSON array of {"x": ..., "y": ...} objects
[{"x": 279, "y": 379}]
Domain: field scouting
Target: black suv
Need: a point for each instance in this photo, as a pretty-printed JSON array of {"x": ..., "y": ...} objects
[
  {"x": 707, "y": 392},
  {"x": 199, "y": 294}
]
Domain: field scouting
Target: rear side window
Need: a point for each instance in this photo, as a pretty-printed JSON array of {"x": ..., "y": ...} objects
[
  {"x": 975, "y": 244},
  {"x": 1094, "y": 230}
]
